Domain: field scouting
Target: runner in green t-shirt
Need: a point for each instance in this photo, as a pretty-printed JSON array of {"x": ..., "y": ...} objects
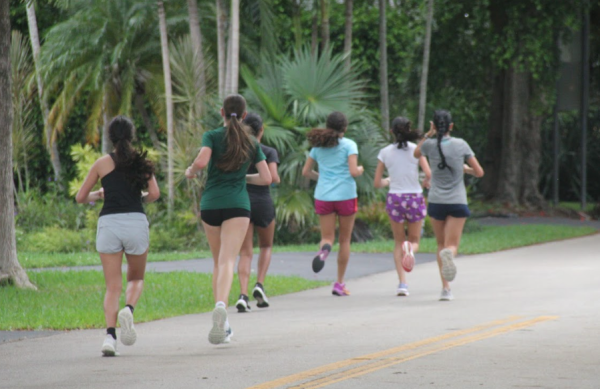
[{"x": 226, "y": 153}]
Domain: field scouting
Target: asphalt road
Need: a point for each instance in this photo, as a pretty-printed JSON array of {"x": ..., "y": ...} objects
[{"x": 524, "y": 318}]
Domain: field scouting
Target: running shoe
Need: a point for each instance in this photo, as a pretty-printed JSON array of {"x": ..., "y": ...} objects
[
  {"x": 218, "y": 333},
  {"x": 229, "y": 333},
  {"x": 243, "y": 304},
  {"x": 128, "y": 334},
  {"x": 340, "y": 290},
  {"x": 448, "y": 266},
  {"x": 446, "y": 295},
  {"x": 319, "y": 260},
  {"x": 261, "y": 297},
  {"x": 402, "y": 290},
  {"x": 109, "y": 347},
  {"x": 408, "y": 259}
]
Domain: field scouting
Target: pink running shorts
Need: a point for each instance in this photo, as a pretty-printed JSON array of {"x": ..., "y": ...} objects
[
  {"x": 408, "y": 207},
  {"x": 341, "y": 208}
]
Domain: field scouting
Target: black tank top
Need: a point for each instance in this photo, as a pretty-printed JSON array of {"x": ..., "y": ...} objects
[{"x": 119, "y": 195}]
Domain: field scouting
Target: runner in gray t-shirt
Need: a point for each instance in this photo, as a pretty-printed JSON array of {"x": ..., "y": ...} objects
[{"x": 447, "y": 206}]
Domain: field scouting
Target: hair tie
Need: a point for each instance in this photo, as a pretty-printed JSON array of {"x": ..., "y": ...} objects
[{"x": 233, "y": 114}]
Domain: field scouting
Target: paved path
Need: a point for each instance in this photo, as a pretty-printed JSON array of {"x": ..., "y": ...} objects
[{"x": 524, "y": 318}]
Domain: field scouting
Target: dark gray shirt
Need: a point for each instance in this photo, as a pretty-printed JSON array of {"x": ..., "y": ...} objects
[
  {"x": 262, "y": 192},
  {"x": 447, "y": 185}
]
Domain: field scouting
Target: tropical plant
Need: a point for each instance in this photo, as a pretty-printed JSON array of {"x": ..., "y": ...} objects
[
  {"x": 23, "y": 130},
  {"x": 113, "y": 46}
]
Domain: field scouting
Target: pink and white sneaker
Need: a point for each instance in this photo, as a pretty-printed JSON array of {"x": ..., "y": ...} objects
[
  {"x": 340, "y": 290},
  {"x": 408, "y": 259}
]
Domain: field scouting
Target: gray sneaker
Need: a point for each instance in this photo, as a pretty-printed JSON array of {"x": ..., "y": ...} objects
[
  {"x": 218, "y": 332},
  {"x": 448, "y": 266},
  {"x": 446, "y": 295}
]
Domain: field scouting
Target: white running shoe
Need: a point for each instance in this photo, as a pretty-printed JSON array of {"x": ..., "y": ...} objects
[
  {"x": 128, "y": 333},
  {"x": 109, "y": 347},
  {"x": 448, "y": 266},
  {"x": 218, "y": 333},
  {"x": 446, "y": 295},
  {"x": 229, "y": 333},
  {"x": 402, "y": 290}
]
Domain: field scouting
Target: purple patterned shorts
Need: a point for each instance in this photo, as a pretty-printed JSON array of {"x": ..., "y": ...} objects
[{"x": 408, "y": 207}]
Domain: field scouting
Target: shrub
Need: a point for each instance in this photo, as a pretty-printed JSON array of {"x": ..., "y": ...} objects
[{"x": 56, "y": 240}]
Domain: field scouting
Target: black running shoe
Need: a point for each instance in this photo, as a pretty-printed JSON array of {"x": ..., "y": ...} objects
[
  {"x": 243, "y": 304},
  {"x": 319, "y": 260},
  {"x": 261, "y": 297}
]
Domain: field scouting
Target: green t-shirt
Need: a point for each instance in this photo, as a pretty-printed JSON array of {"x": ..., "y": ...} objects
[{"x": 225, "y": 189}]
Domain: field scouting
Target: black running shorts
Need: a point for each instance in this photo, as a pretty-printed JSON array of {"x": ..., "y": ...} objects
[
  {"x": 262, "y": 212},
  {"x": 216, "y": 217}
]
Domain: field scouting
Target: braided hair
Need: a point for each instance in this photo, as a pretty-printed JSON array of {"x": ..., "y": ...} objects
[
  {"x": 402, "y": 132},
  {"x": 442, "y": 120}
]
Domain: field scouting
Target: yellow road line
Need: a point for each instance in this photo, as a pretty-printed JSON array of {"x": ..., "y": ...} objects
[
  {"x": 369, "y": 357},
  {"x": 382, "y": 364}
]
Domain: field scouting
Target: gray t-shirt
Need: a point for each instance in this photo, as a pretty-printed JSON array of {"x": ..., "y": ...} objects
[{"x": 447, "y": 185}]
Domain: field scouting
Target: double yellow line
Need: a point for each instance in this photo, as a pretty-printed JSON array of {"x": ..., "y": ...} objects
[{"x": 346, "y": 369}]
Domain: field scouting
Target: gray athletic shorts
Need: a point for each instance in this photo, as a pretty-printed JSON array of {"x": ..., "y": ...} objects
[{"x": 127, "y": 232}]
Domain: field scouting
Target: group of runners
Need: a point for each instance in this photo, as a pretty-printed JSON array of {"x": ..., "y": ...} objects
[{"x": 236, "y": 201}]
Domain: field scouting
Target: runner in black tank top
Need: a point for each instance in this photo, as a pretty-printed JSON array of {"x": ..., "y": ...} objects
[{"x": 122, "y": 226}]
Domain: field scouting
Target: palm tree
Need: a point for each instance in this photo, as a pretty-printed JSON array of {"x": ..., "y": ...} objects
[
  {"x": 162, "y": 20},
  {"x": 51, "y": 142},
  {"x": 348, "y": 33},
  {"x": 112, "y": 51},
  {"x": 383, "y": 73},
  {"x": 196, "y": 36},
  {"x": 425, "y": 70},
  {"x": 23, "y": 129},
  {"x": 324, "y": 24},
  {"x": 233, "y": 51},
  {"x": 10, "y": 269},
  {"x": 221, "y": 45}
]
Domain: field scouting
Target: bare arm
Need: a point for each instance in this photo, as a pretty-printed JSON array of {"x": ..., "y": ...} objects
[
  {"x": 473, "y": 168},
  {"x": 274, "y": 173},
  {"x": 430, "y": 134},
  {"x": 307, "y": 170},
  {"x": 355, "y": 170},
  {"x": 199, "y": 163},
  {"x": 263, "y": 177},
  {"x": 153, "y": 191},
  {"x": 379, "y": 181},
  {"x": 85, "y": 195},
  {"x": 427, "y": 170}
]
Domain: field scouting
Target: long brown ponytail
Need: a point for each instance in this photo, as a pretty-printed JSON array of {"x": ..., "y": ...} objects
[{"x": 239, "y": 145}]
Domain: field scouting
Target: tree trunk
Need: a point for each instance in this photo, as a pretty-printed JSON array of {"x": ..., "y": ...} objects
[
  {"x": 383, "y": 73},
  {"x": 531, "y": 142},
  {"x": 425, "y": 69},
  {"x": 139, "y": 105},
  {"x": 196, "y": 36},
  {"x": 233, "y": 60},
  {"x": 297, "y": 21},
  {"x": 324, "y": 25},
  {"x": 493, "y": 152},
  {"x": 314, "y": 37},
  {"x": 221, "y": 45},
  {"x": 51, "y": 144},
  {"x": 169, "y": 102},
  {"x": 348, "y": 34},
  {"x": 107, "y": 145},
  {"x": 10, "y": 269}
]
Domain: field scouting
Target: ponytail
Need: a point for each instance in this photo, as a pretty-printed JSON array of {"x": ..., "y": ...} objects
[
  {"x": 442, "y": 120},
  {"x": 329, "y": 137},
  {"x": 137, "y": 168},
  {"x": 239, "y": 144},
  {"x": 402, "y": 132}
]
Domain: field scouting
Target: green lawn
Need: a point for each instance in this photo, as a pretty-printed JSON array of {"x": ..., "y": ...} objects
[
  {"x": 71, "y": 300},
  {"x": 486, "y": 239}
]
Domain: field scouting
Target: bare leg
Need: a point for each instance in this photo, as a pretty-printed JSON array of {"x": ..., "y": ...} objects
[
  {"x": 233, "y": 233},
  {"x": 136, "y": 268},
  {"x": 414, "y": 234},
  {"x": 453, "y": 233},
  {"x": 327, "y": 223},
  {"x": 265, "y": 242},
  {"x": 439, "y": 227},
  {"x": 399, "y": 238},
  {"x": 245, "y": 263},
  {"x": 213, "y": 235},
  {"x": 345, "y": 236},
  {"x": 111, "y": 265}
]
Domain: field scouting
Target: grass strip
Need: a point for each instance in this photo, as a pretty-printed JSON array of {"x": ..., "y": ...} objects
[
  {"x": 485, "y": 240},
  {"x": 73, "y": 300}
]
